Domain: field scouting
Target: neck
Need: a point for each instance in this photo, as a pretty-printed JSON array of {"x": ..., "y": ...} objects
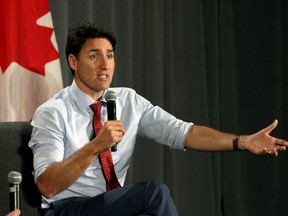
[{"x": 94, "y": 94}]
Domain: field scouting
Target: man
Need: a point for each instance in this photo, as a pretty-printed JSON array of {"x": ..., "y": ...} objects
[{"x": 69, "y": 169}]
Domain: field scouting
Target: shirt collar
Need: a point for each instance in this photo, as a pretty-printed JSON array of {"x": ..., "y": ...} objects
[{"x": 82, "y": 100}]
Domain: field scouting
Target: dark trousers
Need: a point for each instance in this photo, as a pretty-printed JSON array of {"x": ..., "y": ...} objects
[{"x": 146, "y": 198}]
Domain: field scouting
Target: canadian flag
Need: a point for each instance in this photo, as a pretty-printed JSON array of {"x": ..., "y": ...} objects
[{"x": 30, "y": 70}]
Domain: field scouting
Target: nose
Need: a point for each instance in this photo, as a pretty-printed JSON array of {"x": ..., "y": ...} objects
[{"x": 103, "y": 64}]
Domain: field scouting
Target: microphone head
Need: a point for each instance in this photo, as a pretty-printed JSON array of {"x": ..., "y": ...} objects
[
  {"x": 110, "y": 95},
  {"x": 14, "y": 177}
]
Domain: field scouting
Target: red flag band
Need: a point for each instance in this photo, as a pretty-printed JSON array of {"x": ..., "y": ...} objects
[{"x": 29, "y": 61}]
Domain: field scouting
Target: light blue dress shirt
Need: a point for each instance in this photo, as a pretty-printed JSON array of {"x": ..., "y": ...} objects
[{"x": 63, "y": 124}]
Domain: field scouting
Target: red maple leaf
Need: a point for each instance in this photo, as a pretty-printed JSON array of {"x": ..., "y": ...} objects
[{"x": 22, "y": 40}]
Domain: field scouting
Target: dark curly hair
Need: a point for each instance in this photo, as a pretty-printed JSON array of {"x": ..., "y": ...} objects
[{"x": 78, "y": 35}]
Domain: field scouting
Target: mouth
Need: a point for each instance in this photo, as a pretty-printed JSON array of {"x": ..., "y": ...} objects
[{"x": 102, "y": 76}]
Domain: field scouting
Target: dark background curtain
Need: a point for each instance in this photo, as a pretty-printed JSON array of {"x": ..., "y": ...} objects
[{"x": 219, "y": 63}]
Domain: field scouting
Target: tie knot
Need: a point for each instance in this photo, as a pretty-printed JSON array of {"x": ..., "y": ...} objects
[{"x": 96, "y": 107}]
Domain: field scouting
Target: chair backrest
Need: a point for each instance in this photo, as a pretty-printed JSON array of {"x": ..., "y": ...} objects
[{"x": 15, "y": 155}]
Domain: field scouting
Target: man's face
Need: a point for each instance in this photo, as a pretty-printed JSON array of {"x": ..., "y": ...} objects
[{"x": 94, "y": 68}]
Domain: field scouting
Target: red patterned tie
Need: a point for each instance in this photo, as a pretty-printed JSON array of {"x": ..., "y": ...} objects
[{"x": 105, "y": 158}]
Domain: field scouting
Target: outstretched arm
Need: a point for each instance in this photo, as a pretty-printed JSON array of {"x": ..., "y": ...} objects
[{"x": 260, "y": 143}]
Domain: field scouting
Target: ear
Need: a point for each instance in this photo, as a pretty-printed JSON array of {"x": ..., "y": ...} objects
[{"x": 72, "y": 62}]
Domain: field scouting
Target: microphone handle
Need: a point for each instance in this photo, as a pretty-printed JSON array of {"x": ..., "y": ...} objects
[
  {"x": 111, "y": 111},
  {"x": 14, "y": 197},
  {"x": 114, "y": 148}
]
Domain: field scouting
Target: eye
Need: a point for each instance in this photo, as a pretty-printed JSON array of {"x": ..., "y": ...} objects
[
  {"x": 92, "y": 57},
  {"x": 110, "y": 56}
]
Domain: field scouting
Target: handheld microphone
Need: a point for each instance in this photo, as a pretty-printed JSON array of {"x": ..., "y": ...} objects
[
  {"x": 14, "y": 178},
  {"x": 110, "y": 97}
]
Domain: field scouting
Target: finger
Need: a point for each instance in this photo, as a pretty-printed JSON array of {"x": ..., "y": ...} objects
[
  {"x": 113, "y": 122},
  {"x": 118, "y": 133},
  {"x": 263, "y": 152},
  {"x": 273, "y": 152},
  {"x": 272, "y": 126},
  {"x": 280, "y": 147},
  {"x": 115, "y": 125},
  {"x": 281, "y": 142},
  {"x": 269, "y": 153}
]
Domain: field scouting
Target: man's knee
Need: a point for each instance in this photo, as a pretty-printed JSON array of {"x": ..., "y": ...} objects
[
  {"x": 157, "y": 199},
  {"x": 158, "y": 187},
  {"x": 157, "y": 191}
]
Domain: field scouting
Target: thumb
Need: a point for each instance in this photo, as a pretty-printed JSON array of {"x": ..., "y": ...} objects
[{"x": 271, "y": 127}]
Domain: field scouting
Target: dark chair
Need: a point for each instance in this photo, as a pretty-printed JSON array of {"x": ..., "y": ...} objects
[{"x": 15, "y": 155}]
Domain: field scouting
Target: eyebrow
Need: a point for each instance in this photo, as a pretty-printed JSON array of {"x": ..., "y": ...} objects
[{"x": 99, "y": 50}]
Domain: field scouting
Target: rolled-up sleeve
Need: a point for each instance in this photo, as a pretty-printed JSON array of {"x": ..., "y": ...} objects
[
  {"x": 161, "y": 126},
  {"x": 47, "y": 140}
]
